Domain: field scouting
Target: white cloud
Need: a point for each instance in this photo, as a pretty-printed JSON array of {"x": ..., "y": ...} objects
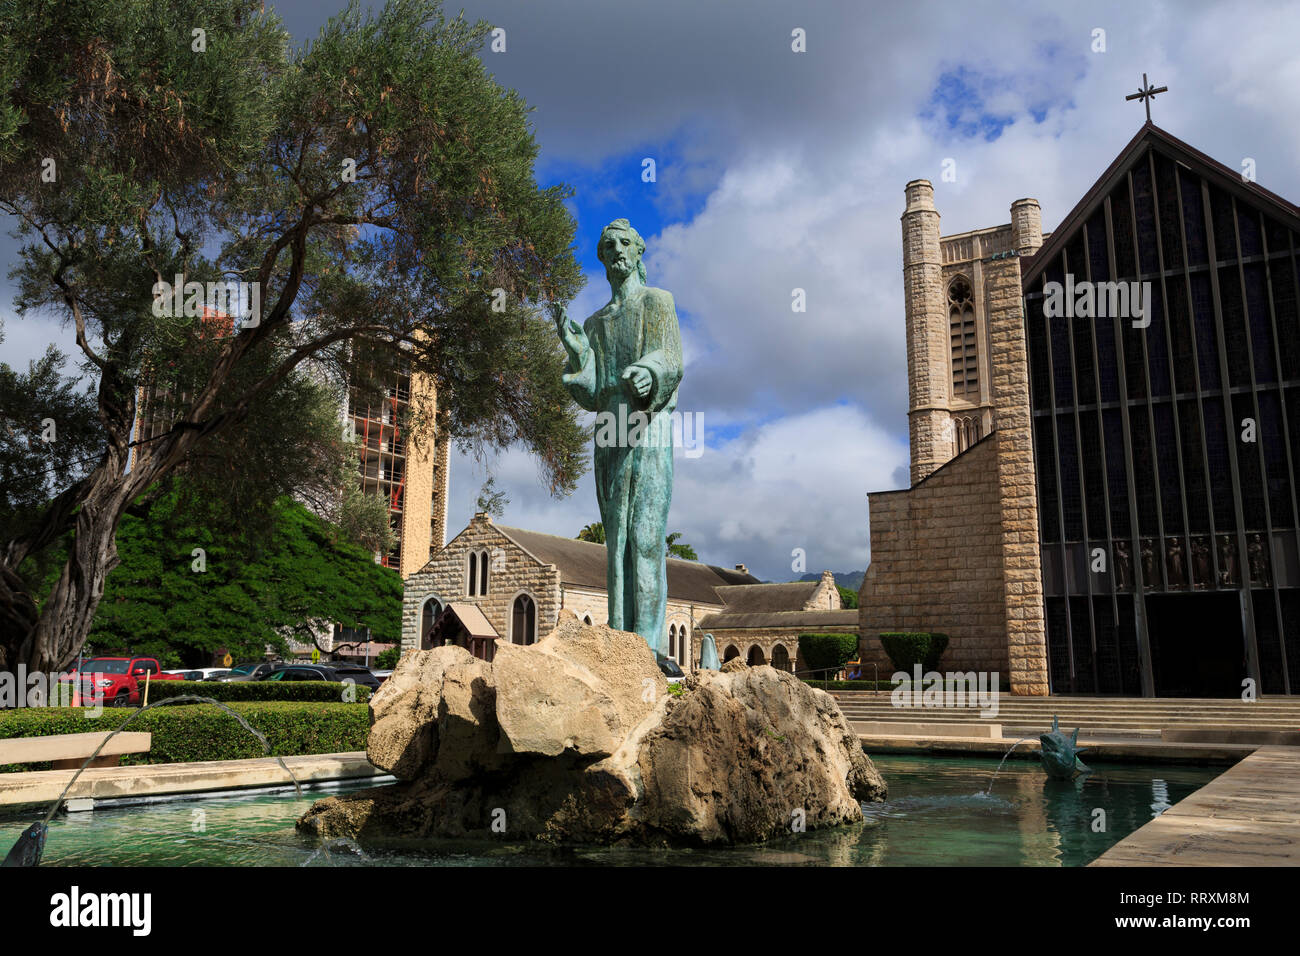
[{"x": 803, "y": 159}]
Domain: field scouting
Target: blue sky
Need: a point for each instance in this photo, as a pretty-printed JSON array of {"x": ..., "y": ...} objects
[{"x": 779, "y": 170}]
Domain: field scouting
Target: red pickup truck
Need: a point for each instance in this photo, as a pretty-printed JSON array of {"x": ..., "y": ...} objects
[{"x": 116, "y": 681}]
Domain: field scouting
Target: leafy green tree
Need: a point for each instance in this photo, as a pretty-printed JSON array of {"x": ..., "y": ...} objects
[
  {"x": 490, "y": 500},
  {"x": 388, "y": 659},
  {"x": 848, "y": 597},
  {"x": 375, "y": 188},
  {"x": 183, "y": 589},
  {"x": 684, "y": 551},
  {"x": 48, "y": 434},
  {"x": 595, "y": 532}
]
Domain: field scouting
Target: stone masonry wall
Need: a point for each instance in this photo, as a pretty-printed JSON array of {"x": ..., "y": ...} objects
[
  {"x": 743, "y": 638},
  {"x": 511, "y": 571},
  {"x": 1022, "y": 583},
  {"x": 936, "y": 565},
  {"x": 826, "y": 597}
]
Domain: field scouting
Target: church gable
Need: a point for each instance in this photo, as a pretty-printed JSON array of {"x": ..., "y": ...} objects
[
  {"x": 1164, "y": 369},
  {"x": 1133, "y": 158}
]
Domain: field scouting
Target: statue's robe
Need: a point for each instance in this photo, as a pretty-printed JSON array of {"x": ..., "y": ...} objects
[{"x": 634, "y": 481}]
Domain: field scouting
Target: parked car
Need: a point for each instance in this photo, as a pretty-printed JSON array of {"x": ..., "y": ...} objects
[
  {"x": 187, "y": 675},
  {"x": 200, "y": 673},
  {"x": 254, "y": 670},
  {"x": 116, "y": 681},
  {"x": 670, "y": 669},
  {"x": 335, "y": 672}
]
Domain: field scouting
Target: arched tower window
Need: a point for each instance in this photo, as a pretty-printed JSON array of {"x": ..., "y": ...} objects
[{"x": 961, "y": 330}]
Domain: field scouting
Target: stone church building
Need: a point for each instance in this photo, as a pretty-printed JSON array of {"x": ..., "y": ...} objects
[
  {"x": 1103, "y": 494},
  {"x": 495, "y": 583}
]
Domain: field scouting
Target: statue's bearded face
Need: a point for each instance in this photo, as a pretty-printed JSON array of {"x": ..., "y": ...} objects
[{"x": 619, "y": 251}]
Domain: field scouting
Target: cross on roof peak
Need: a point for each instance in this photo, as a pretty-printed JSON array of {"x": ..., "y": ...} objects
[{"x": 1146, "y": 94}]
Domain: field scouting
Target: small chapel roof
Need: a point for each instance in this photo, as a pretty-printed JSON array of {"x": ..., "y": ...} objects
[
  {"x": 582, "y": 564},
  {"x": 761, "y": 598}
]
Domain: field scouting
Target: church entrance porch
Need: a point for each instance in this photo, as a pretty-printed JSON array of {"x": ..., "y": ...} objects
[{"x": 1197, "y": 645}]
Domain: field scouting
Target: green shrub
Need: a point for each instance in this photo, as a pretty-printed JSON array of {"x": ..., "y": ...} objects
[
  {"x": 906, "y": 649},
  {"x": 826, "y": 651},
  {"x": 326, "y": 692},
  {"x": 187, "y": 733},
  {"x": 1004, "y": 684},
  {"x": 387, "y": 660}
]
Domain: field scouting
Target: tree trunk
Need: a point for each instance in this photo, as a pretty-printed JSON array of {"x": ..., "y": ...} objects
[{"x": 53, "y": 640}]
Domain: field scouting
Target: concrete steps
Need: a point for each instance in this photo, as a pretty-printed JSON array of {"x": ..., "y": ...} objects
[{"x": 1094, "y": 715}]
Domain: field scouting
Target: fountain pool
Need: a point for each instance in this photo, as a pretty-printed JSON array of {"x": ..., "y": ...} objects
[{"x": 938, "y": 814}]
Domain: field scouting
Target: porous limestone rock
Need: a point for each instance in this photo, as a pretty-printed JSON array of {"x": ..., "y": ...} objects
[
  {"x": 580, "y": 689},
  {"x": 442, "y": 694},
  {"x": 577, "y": 739},
  {"x": 742, "y": 756}
]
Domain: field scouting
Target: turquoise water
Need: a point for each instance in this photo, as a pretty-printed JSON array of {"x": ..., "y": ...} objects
[{"x": 938, "y": 814}]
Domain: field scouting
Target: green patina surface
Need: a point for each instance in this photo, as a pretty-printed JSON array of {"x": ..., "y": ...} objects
[{"x": 625, "y": 363}]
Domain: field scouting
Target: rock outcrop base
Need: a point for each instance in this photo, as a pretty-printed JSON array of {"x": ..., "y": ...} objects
[{"x": 579, "y": 738}]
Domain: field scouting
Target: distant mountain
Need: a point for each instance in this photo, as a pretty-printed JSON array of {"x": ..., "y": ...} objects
[{"x": 845, "y": 579}]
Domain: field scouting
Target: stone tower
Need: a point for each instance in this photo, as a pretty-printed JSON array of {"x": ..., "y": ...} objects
[
  {"x": 959, "y": 553},
  {"x": 929, "y": 422},
  {"x": 950, "y": 355},
  {"x": 1026, "y": 226}
]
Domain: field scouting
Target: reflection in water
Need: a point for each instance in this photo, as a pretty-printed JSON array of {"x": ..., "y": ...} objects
[{"x": 938, "y": 814}]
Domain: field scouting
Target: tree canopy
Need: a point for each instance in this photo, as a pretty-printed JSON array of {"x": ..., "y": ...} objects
[
  {"x": 184, "y": 589},
  {"x": 595, "y": 532},
  {"x": 373, "y": 190}
]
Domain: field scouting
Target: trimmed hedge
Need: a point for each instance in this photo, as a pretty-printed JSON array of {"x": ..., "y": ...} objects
[
  {"x": 906, "y": 649},
  {"x": 187, "y": 733},
  {"x": 322, "y": 691},
  {"x": 826, "y": 651}
]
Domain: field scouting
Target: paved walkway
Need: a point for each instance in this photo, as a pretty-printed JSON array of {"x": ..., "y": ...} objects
[{"x": 1248, "y": 816}]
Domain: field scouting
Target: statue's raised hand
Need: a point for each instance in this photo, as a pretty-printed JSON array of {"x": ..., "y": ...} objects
[{"x": 571, "y": 334}]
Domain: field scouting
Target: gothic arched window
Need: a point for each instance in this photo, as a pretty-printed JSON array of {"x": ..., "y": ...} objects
[
  {"x": 523, "y": 626},
  {"x": 477, "y": 575},
  {"x": 432, "y": 608},
  {"x": 961, "y": 330}
]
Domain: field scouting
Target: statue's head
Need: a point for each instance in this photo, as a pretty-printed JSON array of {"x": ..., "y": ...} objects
[{"x": 620, "y": 249}]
